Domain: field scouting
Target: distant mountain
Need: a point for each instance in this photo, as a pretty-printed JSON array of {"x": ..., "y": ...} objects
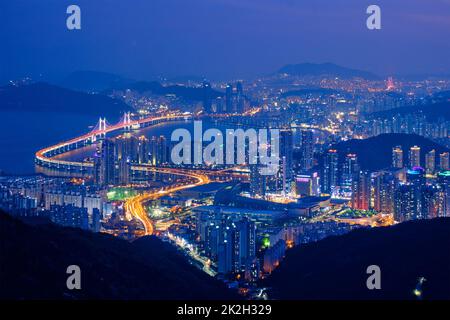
[
  {"x": 335, "y": 268},
  {"x": 433, "y": 112},
  {"x": 187, "y": 78},
  {"x": 156, "y": 88},
  {"x": 325, "y": 69},
  {"x": 93, "y": 81},
  {"x": 34, "y": 259},
  {"x": 43, "y": 97},
  {"x": 376, "y": 153}
]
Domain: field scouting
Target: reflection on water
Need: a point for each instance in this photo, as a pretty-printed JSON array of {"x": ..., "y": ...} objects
[
  {"x": 60, "y": 173},
  {"x": 24, "y": 133}
]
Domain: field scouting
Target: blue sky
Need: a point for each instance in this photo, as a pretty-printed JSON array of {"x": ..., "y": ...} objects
[{"x": 221, "y": 38}]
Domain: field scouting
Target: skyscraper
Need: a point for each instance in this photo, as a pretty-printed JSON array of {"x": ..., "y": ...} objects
[
  {"x": 207, "y": 97},
  {"x": 240, "y": 98},
  {"x": 430, "y": 161},
  {"x": 397, "y": 157},
  {"x": 444, "y": 161},
  {"x": 236, "y": 245},
  {"x": 444, "y": 183},
  {"x": 258, "y": 182},
  {"x": 414, "y": 157},
  {"x": 361, "y": 191},
  {"x": 143, "y": 150},
  {"x": 104, "y": 163},
  {"x": 126, "y": 152},
  {"x": 158, "y": 150},
  {"x": 228, "y": 99},
  {"x": 383, "y": 192},
  {"x": 286, "y": 160},
  {"x": 330, "y": 171},
  {"x": 307, "y": 150},
  {"x": 409, "y": 202},
  {"x": 349, "y": 168}
]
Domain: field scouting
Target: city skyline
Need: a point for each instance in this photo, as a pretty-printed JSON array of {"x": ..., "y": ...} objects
[{"x": 225, "y": 150}]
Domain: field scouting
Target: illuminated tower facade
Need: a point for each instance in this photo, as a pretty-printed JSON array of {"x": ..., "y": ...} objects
[
  {"x": 444, "y": 161},
  {"x": 414, "y": 157},
  {"x": 430, "y": 162},
  {"x": 397, "y": 157}
]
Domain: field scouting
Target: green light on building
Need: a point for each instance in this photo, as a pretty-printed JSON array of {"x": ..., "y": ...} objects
[
  {"x": 120, "y": 194},
  {"x": 445, "y": 173},
  {"x": 266, "y": 242}
]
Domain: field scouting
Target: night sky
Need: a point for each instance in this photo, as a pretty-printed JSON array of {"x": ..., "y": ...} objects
[{"x": 220, "y": 38}]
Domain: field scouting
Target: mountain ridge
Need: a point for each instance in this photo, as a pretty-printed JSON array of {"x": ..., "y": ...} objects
[
  {"x": 45, "y": 97},
  {"x": 34, "y": 261},
  {"x": 335, "y": 267}
]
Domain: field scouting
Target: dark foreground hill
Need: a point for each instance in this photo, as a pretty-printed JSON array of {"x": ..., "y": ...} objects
[
  {"x": 43, "y": 97},
  {"x": 33, "y": 262},
  {"x": 335, "y": 268},
  {"x": 375, "y": 153}
]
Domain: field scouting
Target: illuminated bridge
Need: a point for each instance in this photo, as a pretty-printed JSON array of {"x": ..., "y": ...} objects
[
  {"x": 134, "y": 206},
  {"x": 45, "y": 157}
]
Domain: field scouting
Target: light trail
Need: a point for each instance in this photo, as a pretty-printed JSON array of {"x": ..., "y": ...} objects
[{"x": 135, "y": 206}]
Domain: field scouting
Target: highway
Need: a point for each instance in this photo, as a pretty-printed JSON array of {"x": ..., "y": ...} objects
[{"x": 135, "y": 206}]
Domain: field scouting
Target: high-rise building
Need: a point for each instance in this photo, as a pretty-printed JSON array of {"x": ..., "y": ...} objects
[
  {"x": 240, "y": 98},
  {"x": 238, "y": 248},
  {"x": 158, "y": 150},
  {"x": 409, "y": 203},
  {"x": 307, "y": 150},
  {"x": 444, "y": 161},
  {"x": 397, "y": 157},
  {"x": 432, "y": 201},
  {"x": 286, "y": 161},
  {"x": 126, "y": 152},
  {"x": 349, "y": 168},
  {"x": 383, "y": 192},
  {"x": 361, "y": 186},
  {"x": 430, "y": 162},
  {"x": 329, "y": 178},
  {"x": 104, "y": 163},
  {"x": 228, "y": 99},
  {"x": 444, "y": 183},
  {"x": 143, "y": 150},
  {"x": 207, "y": 97},
  {"x": 414, "y": 157},
  {"x": 258, "y": 182},
  {"x": 406, "y": 203}
]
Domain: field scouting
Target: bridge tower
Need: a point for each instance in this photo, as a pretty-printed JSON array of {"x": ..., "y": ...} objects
[
  {"x": 102, "y": 127},
  {"x": 99, "y": 130},
  {"x": 126, "y": 121}
]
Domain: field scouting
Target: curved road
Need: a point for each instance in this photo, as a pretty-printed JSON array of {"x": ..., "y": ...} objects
[{"x": 135, "y": 205}]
